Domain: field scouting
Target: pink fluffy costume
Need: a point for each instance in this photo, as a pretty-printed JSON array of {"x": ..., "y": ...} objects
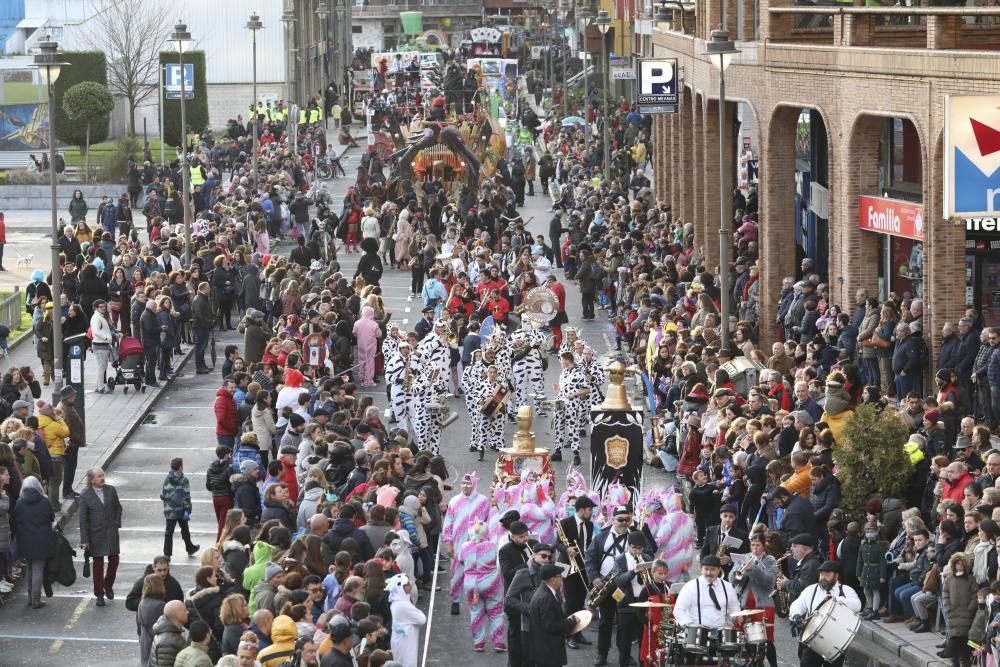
[
  {"x": 464, "y": 511},
  {"x": 483, "y": 588},
  {"x": 367, "y": 332}
]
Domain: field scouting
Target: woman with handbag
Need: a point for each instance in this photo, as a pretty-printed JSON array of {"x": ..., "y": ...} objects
[{"x": 119, "y": 294}]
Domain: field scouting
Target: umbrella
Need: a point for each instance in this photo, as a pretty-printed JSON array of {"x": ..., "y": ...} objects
[{"x": 573, "y": 120}]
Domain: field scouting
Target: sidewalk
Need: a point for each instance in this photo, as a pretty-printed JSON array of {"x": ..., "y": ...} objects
[
  {"x": 911, "y": 648},
  {"x": 109, "y": 419}
]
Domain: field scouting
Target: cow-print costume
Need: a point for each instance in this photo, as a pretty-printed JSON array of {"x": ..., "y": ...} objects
[
  {"x": 473, "y": 378},
  {"x": 427, "y": 425},
  {"x": 597, "y": 380},
  {"x": 526, "y": 369},
  {"x": 401, "y": 401},
  {"x": 492, "y": 427},
  {"x": 435, "y": 354},
  {"x": 575, "y": 411}
]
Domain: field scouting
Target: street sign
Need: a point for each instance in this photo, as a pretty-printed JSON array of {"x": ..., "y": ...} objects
[
  {"x": 618, "y": 61},
  {"x": 971, "y": 156},
  {"x": 622, "y": 73},
  {"x": 657, "y": 83},
  {"x": 172, "y": 88},
  {"x": 657, "y": 108}
]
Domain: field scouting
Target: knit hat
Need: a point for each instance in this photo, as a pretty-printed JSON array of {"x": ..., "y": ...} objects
[
  {"x": 932, "y": 416},
  {"x": 271, "y": 571},
  {"x": 248, "y": 466},
  {"x": 873, "y": 506}
]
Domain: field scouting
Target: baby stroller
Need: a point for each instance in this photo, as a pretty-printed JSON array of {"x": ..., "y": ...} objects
[{"x": 129, "y": 364}]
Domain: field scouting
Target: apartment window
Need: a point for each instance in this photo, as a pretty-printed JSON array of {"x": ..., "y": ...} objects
[{"x": 356, "y": 29}]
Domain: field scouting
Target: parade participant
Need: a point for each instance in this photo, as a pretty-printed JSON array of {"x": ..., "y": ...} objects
[
  {"x": 464, "y": 510},
  {"x": 811, "y": 597},
  {"x": 518, "y": 600},
  {"x": 406, "y": 621},
  {"x": 492, "y": 427},
  {"x": 401, "y": 370},
  {"x": 707, "y": 600},
  {"x": 515, "y": 554},
  {"x": 561, "y": 318},
  {"x": 657, "y": 591},
  {"x": 806, "y": 567},
  {"x": 625, "y": 577},
  {"x": 549, "y": 623},
  {"x": 573, "y": 390},
  {"x": 607, "y": 546},
  {"x": 754, "y": 582},
  {"x": 579, "y": 533},
  {"x": 427, "y": 395},
  {"x": 526, "y": 370},
  {"x": 716, "y": 536},
  {"x": 596, "y": 378},
  {"x": 482, "y": 584},
  {"x": 473, "y": 377}
]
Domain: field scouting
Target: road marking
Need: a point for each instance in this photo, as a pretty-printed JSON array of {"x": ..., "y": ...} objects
[
  {"x": 155, "y": 500},
  {"x": 73, "y": 620},
  {"x": 45, "y": 638}
]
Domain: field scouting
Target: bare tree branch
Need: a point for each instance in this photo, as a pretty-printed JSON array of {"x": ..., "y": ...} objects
[{"x": 131, "y": 33}]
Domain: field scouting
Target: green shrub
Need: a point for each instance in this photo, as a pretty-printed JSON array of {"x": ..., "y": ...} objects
[
  {"x": 84, "y": 66},
  {"x": 872, "y": 461},
  {"x": 116, "y": 164}
]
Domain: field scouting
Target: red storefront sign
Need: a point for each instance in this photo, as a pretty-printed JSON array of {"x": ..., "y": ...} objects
[{"x": 891, "y": 216}]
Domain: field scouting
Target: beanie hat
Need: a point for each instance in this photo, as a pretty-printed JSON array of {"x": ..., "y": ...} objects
[
  {"x": 248, "y": 466},
  {"x": 272, "y": 570}
]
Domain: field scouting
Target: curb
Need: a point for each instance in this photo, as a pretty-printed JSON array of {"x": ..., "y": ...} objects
[
  {"x": 898, "y": 646},
  {"x": 69, "y": 508}
]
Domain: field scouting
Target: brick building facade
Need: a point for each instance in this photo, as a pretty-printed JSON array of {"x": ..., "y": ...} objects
[{"x": 855, "y": 73}]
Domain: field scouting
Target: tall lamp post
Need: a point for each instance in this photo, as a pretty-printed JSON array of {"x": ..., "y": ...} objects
[
  {"x": 253, "y": 25},
  {"x": 586, "y": 15},
  {"x": 322, "y": 12},
  {"x": 603, "y": 23},
  {"x": 49, "y": 63},
  {"x": 564, "y": 52},
  {"x": 181, "y": 38},
  {"x": 720, "y": 51}
]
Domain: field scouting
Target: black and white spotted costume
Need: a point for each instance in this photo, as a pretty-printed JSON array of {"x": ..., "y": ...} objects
[
  {"x": 492, "y": 427},
  {"x": 401, "y": 401},
  {"x": 526, "y": 366},
  {"x": 597, "y": 379},
  {"x": 427, "y": 424},
  {"x": 435, "y": 355},
  {"x": 473, "y": 379},
  {"x": 575, "y": 412}
]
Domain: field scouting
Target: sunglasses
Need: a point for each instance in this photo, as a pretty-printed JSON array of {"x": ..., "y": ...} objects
[{"x": 544, "y": 556}]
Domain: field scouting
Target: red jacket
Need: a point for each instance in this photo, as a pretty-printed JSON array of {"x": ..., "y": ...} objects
[
  {"x": 226, "y": 417},
  {"x": 954, "y": 490},
  {"x": 289, "y": 478}
]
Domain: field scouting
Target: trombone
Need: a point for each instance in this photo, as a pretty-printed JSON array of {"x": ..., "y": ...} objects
[{"x": 574, "y": 564}]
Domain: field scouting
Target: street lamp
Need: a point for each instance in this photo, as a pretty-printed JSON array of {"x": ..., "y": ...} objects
[
  {"x": 291, "y": 51},
  {"x": 663, "y": 15},
  {"x": 49, "y": 63},
  {"x": 253, "y": 25},
  {"x": 603, "y": 23},
  {"x": 720, "y": 51},
  {"x": 322, "y": 12},
  {"x": 586, "y": 15},
  {"x": 181, "y": 38}
]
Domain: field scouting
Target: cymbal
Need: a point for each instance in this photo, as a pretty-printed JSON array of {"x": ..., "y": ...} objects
[
  {"x": 581, "y": 620},
  {"x": 651, "y": 605},
  {"x": 747, "y": 612}
]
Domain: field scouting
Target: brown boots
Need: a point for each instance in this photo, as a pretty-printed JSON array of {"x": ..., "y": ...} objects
[{"x": 36, "y": 601}]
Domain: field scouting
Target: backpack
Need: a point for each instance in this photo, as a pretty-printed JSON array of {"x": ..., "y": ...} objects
[{"x": 595, "y": 271}]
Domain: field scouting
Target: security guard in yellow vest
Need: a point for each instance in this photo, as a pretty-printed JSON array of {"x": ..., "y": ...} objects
[
  {"x": 195, "y": 174},
  {"x": 314, "y": 116}
]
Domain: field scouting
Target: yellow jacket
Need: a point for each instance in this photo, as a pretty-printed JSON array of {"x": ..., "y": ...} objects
[
  {"x": 800, "y": 482},
  {"x": 283, "y": 634},
  {"x": 54, "y": 432}
]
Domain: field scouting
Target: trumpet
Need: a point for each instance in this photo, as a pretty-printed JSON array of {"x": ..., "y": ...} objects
[{"x": 741, "y": 578}]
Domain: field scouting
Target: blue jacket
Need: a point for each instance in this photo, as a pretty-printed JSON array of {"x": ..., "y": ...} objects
[
  {"x": 176, "y": 496},
  {"x": 948, "y": 354},
  {"x": 906, "y": 357},
  {"x": 248, "y": 453}
]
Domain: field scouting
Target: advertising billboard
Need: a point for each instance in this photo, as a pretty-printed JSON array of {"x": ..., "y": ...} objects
[{"x": 971, "y": 156}]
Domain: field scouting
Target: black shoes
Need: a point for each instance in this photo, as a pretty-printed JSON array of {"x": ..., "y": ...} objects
[
  {"x": 580, "y": 639},
  {"x": 601, "y": 661},
  {"x": 193, "y": 549},
  {"x": 482, "y": 453},
  {"x": 110, "y": 593},
  {"x": 555, "y": 456},
  {"x": 454, "y": 609},
  {"x": 576, "y": 458},
  {"x": 100, "y": 601}
]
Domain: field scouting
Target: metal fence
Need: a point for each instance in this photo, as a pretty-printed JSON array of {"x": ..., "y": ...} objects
[{"x": 11, "y": 309}]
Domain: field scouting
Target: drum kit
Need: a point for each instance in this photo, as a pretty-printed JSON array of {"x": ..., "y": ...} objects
[{"x": 701, "y": 645}]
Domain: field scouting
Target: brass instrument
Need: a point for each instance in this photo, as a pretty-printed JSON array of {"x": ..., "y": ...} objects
[
  {"x": 408, "y": 373},
  {"x": 644, "y": 570},
  {"x": 780, "y": 595},
  {"x": 574, "y": 563},
  {"x": 540, "y": 305},
  {"x": 741, "y": 578}
]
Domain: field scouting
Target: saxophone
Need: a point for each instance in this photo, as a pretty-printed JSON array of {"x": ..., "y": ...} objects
[
  {"x": 780, "y": 595},
  {"x": 408, "y": 374}
]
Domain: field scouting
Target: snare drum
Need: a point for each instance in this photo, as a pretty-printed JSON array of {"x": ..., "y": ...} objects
[
  {"x": 694, "y": 639},
  {"x": 831, "y": 629},
  {"x": 754, "y": 633},
  {"x": 729, "y": 640}
]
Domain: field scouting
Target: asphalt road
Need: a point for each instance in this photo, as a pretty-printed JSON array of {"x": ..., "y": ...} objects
[{"x": 71, "y": 630}]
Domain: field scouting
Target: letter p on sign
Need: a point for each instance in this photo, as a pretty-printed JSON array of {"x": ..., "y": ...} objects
[{"x": 657, "y": 78}]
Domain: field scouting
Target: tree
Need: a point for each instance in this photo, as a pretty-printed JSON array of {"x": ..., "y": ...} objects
[
  {"x": 84, "y": 66},
  {"x": 872, "y": 461},
  {"x": 88, "y": 103},
  {"x": 131, "y": 33}
]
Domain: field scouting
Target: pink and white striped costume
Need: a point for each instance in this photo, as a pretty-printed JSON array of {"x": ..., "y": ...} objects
[
  {"x": 464, "y": 510},
  {"x": 483, "y": 587}
]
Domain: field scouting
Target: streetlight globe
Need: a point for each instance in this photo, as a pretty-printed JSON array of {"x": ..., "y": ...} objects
[
  {"x": 720, "y": 50},
  {"x": 49, "y": 61},
  {"x": 180, "y": 37},
  {"x": 603, "y": 21},
  {"x": 322, "y": 10}
]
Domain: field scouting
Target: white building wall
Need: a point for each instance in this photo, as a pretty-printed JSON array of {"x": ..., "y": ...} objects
[{"x": 372, "y": 35}]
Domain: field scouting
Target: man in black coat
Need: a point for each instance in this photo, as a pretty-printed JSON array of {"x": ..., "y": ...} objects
[
  {"x": 716, "y": 535},
  {"x": 343, "y": 528},
  {"x": 549, "y": 624},
  {"x": 579, "y": 532},
  {"x": 625, "y": 579},
  {"x": 515, "y": 554},
  {"x": 100, "y": 520},
  {"x": 160, "y": 566},
  {"x": 798, "y": 517},
  {"x": 149, "y": 336},
  {"x": 517, "y": 602},
  {"x": 805, "y": 570}
]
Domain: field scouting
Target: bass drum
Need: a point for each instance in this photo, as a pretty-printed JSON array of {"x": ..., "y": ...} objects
[{"x": 831, "y": 629}]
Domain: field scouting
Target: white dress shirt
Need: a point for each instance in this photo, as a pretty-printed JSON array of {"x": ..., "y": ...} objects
[
  {"x": 813, "y": 596},
  {"x": 695, "y": 596}
]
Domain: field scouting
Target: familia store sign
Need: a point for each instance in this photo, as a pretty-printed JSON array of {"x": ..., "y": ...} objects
[{"x": 894, "y": 217}]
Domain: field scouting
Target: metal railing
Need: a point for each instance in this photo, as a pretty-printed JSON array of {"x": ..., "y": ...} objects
[{"x": 11, "y": 309}]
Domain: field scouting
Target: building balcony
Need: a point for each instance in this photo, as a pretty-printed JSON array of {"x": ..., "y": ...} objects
[{"x": 386, "y": 9}]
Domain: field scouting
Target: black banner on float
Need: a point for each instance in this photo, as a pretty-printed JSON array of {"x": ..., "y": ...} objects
[{"x": 616, "y": 450}]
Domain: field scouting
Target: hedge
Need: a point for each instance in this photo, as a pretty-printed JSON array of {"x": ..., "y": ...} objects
[
  {"x": 84, "y": 66},
  {"x": 196, "y": 109}
]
